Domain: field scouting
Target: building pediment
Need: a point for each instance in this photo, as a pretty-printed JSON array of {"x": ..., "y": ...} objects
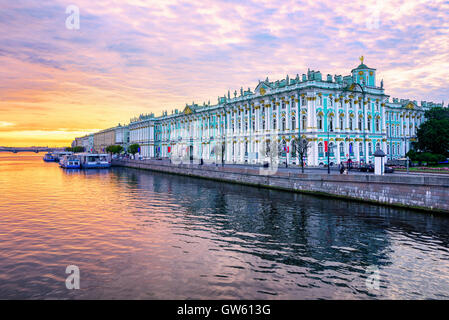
[
  {"x": 262, "y": 88},
  {"x": 188, "y": 110},
  {"x": 410, "y": 105}
]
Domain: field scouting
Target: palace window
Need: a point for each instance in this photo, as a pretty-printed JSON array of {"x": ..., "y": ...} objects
[
  {"x": 303, "y": 101},
  {"x": 378, "y": 146},
  {"x": 331, "y": 149},
  {"x": 263, "y": 124},
  {"x": 331, "y": 124},
  {"x": 351, "y": 149},
  {"x": 370, "y": 149},
  {"x": 360, "y": 123},
  {"x": 369, "y": 124},
  {"x": 320, "y": 123},
  {"x": 320, "y": 149},
  {"x": 283, "y": 124},
  {"x": 377, "y": 125},
  {"x": 342, "y": 149},
  {"x": 388, "y": 149},
  {"x": 350, "y": 124},
  {"x": 341, "y": 123},
  {"x": 361, "y": 149},
  {"x": 274, "y": 124},
  {"x": 293, "y": 123},
  {"x": 283, "y": 105},
  {"x": 304, "y": 122}
]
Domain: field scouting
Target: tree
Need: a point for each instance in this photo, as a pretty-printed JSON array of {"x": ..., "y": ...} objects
[
  {"x": 76, "y": 149},
  {"x": 299, "y": 149},
  {"x": 271, "y": 150},
  {"x": 437, "y": 114},
  {"x": 115, "y": 149},
  {"x": 134, "y": 148},
  {"x": 433, "y": 136},
  {"x": 427, "y": 157}
]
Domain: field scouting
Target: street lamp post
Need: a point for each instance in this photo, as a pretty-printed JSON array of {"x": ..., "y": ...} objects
[{"x": 328, "y": 152}]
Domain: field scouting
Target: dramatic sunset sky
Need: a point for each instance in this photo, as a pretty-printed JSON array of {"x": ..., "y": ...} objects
[{"x": 132, "y": 57}]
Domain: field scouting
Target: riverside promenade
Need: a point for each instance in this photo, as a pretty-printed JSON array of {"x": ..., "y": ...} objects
[{"x": 424, "y": 192}]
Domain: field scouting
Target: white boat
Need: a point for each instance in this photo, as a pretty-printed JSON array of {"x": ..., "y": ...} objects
[
  {"x": 70, "y": 162},
  {"x": 58, "y": 155},
  {"x": 95, "y": 160}
]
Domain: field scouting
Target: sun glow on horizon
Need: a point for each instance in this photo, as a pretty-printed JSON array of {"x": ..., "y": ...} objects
[{"x": 137, "y": 57}]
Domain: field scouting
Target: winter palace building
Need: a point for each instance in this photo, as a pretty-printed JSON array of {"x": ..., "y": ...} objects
[{"x": 351, "y": 115}]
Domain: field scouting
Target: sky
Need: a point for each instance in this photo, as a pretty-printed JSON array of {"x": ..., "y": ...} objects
[{"x": 58, "y": 81}]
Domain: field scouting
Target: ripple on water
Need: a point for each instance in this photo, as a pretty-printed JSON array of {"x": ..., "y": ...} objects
[{"x": 137, "y": 234}]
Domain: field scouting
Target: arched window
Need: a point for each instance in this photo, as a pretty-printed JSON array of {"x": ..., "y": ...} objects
[
  {"x": 377, "y": 124},
  {"x": 351, "y": 149},
  {"x": 331, "y": 124},
  {"x": 293, "y": 147},
  {"x": 341, "y": 123},
  {"x": 369, "y": 124},
  {"x": 274, "y": 124},
  {"x": 320, "y": 149},
  {"x": 263, "y": 124},
  {"x": 370, "y": 149},
  {"x": 304, "y": 122},
  {"x": 342, "y": 149},
  {"x": 283, "y": 124},
  {"x": 320, "y": 123},
  {"x": 350, "y": 124},
  {"x": 360, "y": 124},
  {"x": 246, "y": 148},
  {"x": 293, "y": 123},
  {"x": 361, "y": 149},
  {"x": 377, "y": 146},
  {"x": 388, "y": 149},
  {"x": 331, "y": 149}
]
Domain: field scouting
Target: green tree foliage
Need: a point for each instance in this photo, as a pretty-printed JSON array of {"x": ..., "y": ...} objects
[
  {"x": 76, "y": 149},
  {"x": 134, "y": 148},
  {"x": 114, "y": 149},
  {"x": 429, "y": 158},
  {"x": 433, "y": 134}
]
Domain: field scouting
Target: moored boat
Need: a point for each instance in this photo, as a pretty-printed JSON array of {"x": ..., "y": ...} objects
[
  {"x": 49, "y": 157},
  {"x": 70, "y": 162},
  {"x": 95, "y": 160},
  {"x": 58, "y": 155}
]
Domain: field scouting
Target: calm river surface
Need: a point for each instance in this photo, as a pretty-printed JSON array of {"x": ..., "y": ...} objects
[{"x": 142, "y": 235}]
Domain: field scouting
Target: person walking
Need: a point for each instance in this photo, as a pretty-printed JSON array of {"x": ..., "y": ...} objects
[{"x": 342, "y": 167}]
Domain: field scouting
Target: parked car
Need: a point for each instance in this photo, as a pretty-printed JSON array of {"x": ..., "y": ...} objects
[
  {"x": 367, "y": 168},
  {"x": 389, "y": 169}
]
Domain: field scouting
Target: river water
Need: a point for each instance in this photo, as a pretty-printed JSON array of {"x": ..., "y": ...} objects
[{"x": 144, "y": 235}]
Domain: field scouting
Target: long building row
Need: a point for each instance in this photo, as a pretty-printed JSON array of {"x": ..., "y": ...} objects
[{"x": 351, "y": 115}]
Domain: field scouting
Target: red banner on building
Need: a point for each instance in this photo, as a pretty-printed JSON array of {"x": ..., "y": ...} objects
[{"x": 325, "y": 146}]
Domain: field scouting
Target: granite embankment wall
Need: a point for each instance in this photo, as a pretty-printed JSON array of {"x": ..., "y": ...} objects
[{"x": 412, "y": 191}]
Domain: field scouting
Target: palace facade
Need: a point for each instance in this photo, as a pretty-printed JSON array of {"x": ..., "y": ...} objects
[{"x": 350, "y": 115}]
